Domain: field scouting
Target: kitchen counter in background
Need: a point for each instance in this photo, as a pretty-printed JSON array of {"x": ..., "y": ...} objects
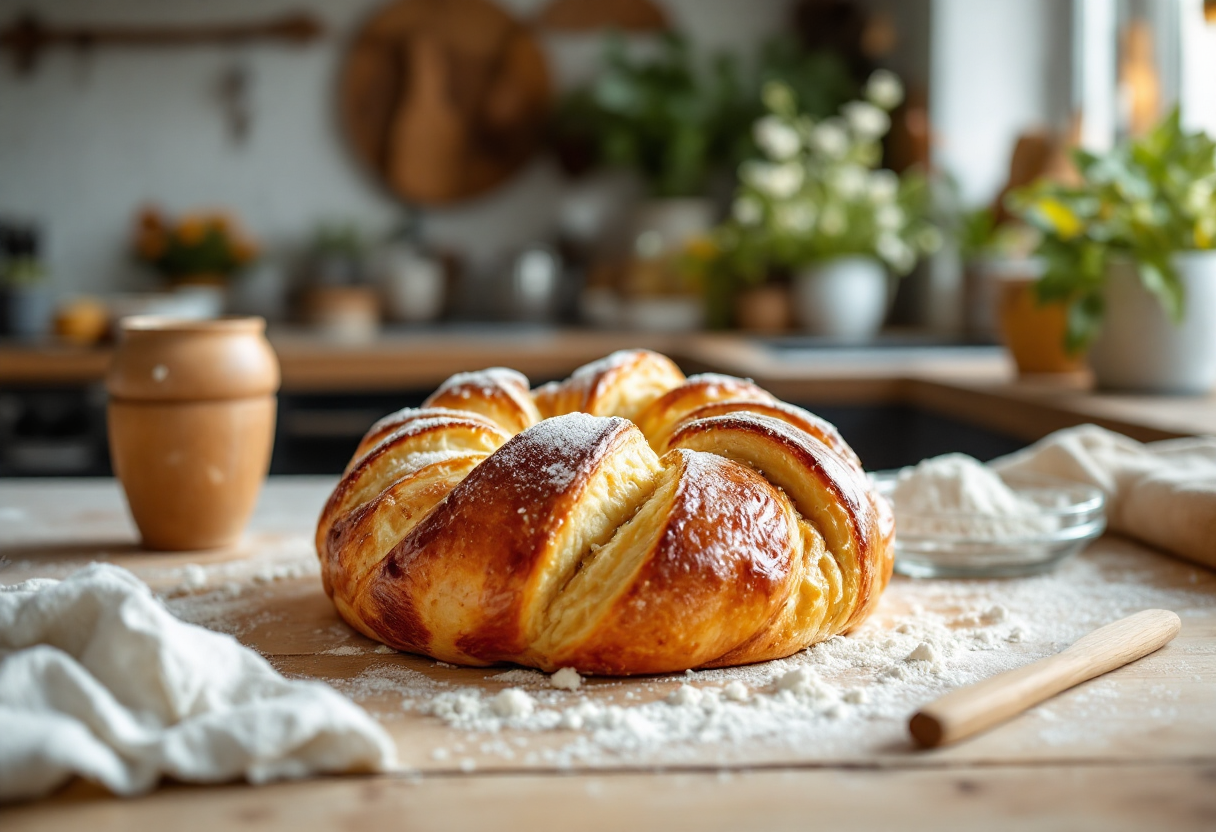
[{"x": 897, "y": 401}]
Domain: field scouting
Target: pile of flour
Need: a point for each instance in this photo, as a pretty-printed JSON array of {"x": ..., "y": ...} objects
[{"x": 958, "y": 496}]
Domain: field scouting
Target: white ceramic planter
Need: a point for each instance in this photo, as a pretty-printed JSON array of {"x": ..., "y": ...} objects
[
  {"x": 844, "y": 298},
  {"x": 1140, "y": 348}
]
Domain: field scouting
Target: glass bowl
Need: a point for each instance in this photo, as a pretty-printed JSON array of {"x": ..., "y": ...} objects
[{"x": 963, "y": 545}]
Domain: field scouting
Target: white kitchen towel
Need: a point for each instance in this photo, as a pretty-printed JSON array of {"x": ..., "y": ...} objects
[
  {"x": 1162, "y": 493},
  {"x": 98, "y": 679}
]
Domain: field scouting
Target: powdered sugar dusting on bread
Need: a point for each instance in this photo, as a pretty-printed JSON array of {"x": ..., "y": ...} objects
[
  {"x": 486, "y": 381},
  {"x": 552, "y": 453}
]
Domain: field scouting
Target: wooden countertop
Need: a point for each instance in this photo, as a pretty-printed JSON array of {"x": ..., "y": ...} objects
[
  {"x": 974, "y": 385},
  {"x": 1131, "y": 751}
]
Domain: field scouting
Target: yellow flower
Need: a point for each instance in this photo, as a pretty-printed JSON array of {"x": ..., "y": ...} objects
[
  {"x": 1205, "y": 232},
  {"x": 1061, "y": 218},
  {"x": 191, "y": 229},
  {"x": 221, "y": 223},
  {"x": 701, "y": 248}
]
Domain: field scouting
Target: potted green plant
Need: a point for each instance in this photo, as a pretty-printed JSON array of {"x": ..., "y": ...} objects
[
  {"x": 668, "y": 117},
  {"x": 817, "y": 205},
  {"x": 198, "y": 254},
  {"x": 1130, "y": 250}
]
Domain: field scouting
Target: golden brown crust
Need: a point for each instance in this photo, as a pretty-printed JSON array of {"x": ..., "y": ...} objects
[
  {"x": 830, "y": 493},
  {"x": 804, "y": 420},
  {"x": 620, "y": 384},
  {"x": 661, "y": 416},
  {"x": 499, "y": 394},
  {"x": 574, "y": 544},
  {"x": 720, "y": 561}
]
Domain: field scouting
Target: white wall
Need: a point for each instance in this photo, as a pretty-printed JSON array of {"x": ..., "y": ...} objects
[
  {"x": 997, "y": 69},
  {"x": 85, "y": 140}
]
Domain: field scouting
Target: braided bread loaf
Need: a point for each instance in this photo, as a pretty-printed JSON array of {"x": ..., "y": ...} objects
[{"x": 626, "y": 520}]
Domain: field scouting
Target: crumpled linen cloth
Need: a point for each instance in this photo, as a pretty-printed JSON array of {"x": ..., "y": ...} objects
[
  {"x": 98, "y": 679},
  {"x": 1161, "y": 493}
]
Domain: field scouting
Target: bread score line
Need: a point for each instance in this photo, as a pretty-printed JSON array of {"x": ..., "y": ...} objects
[{"x": 627, "y": 520}]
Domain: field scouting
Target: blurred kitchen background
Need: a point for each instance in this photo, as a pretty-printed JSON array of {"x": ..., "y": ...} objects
[{"x": 370, "y": 170}]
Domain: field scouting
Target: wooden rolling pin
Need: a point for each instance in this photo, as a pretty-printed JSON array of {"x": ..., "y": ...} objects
[{"x": 977, "y": 707}]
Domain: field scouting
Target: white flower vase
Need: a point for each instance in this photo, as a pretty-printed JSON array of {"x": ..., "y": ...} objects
[
  {"x": 1140, "y": 348},
  {"x": 845, "y": 298}
]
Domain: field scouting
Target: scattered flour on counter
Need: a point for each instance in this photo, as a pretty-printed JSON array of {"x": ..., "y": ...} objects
[
  {"x": 520, "y": 676},
  {"x": 218, "y": 596},
  {"x": 343, "y": 650},
  {"x": 958, "y": 496},
  {"x": 847, "y": 697}
]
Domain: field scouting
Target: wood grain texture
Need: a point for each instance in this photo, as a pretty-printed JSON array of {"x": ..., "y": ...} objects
[
  {"x": 972, "y": 709},
  {"x": 1101, "y": 798},
  {"x": 443, "y": 99}
]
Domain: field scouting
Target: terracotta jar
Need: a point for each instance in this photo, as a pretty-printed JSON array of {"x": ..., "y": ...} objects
[
  {"x": 1034, "y": 332},
  {"x": 763, "y": 309},
  {"x": 191, "y": 422}
]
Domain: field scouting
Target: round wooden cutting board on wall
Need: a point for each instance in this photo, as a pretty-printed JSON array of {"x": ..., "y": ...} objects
[{"x": 444, "y": 99}]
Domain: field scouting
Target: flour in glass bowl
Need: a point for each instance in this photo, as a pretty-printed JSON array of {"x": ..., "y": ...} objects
[{"x": 958, "y": 496}]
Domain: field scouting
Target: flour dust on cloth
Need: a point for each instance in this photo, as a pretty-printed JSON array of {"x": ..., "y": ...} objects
[
  {"x": 98, "y": 679},
  {"x": 1162, "y": 493}
]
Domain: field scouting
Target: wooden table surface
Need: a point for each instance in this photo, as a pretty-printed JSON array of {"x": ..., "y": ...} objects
[
  {"x": 1133, "y": 750},
  {"x": 1143, "y": 757}
]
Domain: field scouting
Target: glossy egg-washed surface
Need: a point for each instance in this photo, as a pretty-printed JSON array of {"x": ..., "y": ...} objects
[{"x": 627, "y": 520}]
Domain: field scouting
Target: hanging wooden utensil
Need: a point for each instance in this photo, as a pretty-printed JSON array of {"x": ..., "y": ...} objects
[{"x": 444, "y": 99}]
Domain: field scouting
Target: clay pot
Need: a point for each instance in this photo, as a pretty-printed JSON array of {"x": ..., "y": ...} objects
[
  {"x": 763, "y": 309},
  {"x": 1033, "y": 332},
  {"x": 191, "y": 422},
  {"x": 347, "y": 313}
]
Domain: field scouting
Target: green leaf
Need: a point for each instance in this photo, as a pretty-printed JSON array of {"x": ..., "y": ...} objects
[
  {"x": 1159, "y": 277},
  {"x": 1084, "y": 323}
]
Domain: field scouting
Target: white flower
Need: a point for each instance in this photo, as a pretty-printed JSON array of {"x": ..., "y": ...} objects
[
  {"x": 746, "y": 211},
  {"x": 797, "y": 217},
  {"x": 889, "y": 217},
  {"x": 776, "y": 138},
  {"x": 866, "y": 120},
  {"x": 774, "y": 181},
  {"x": 898, "y": 254},
  {"x": 830, "y": 138},
  {"x": 849, "y": 181},
  {"x": 885, "y": 89},
  {"x": 929, "y": 239},
  {"x": 883, "y": 185},
  {"x": 833, "y": 222}
]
